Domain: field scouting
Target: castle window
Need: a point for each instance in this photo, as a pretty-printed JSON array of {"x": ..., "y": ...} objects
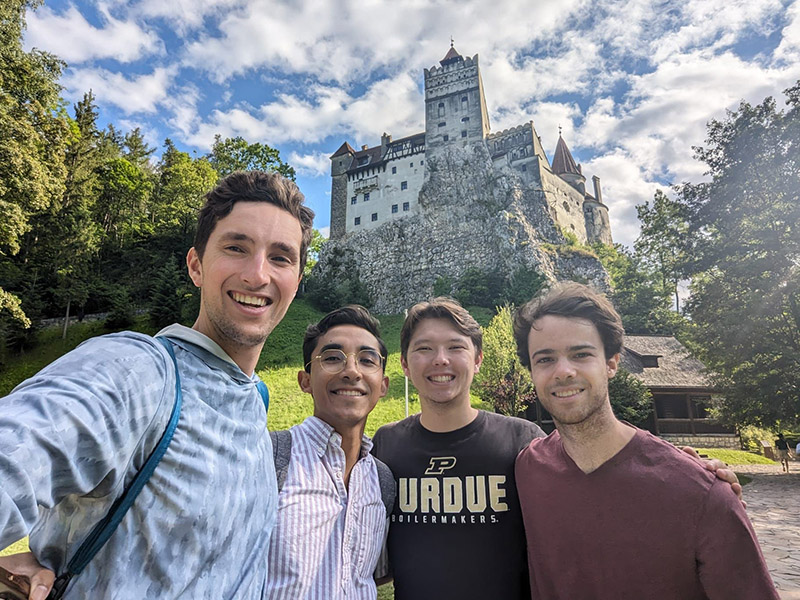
[
  {"x": 403, "y": 185},
  {"x": 446, "y": 138},
  {"x": 394, "y": 170},
  {"x": 566, "y": 206},
  {"x": 394, "y": 208},
  {"x": 465, "y": 119},
  {"x": 441, "y": 109},
  {"x": 524, "y": 167},
  {"x": 375, "y": 217},
  {"x": 366, "y": 196},
  {"x": 358, "y": 221},
  {"x": 422, "y": 162},
  {"x": 363, "y": 161},
  {"x": 411, "y": 164},
  {"x": 442, "y": 124},
  {"x": 463, "y": 133},
  {"x": 464, "y": 102},
  {"x": 354, "y": 199},
  {"x": 405, "y": 206}
]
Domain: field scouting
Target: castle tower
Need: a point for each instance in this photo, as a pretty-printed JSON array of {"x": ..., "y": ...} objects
[
  {"x": 564, "y": 166},
  {"x": 595, "y": 213},
  {"x": 455, "y": 107},
  {"x": 340, "y": 163}
]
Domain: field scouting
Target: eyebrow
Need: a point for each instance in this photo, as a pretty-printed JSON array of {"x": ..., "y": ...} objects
[
  {"x": 570, "y": 349},
  {"x": 334, "y": 346},
  {"x": 235, "y": 236}
]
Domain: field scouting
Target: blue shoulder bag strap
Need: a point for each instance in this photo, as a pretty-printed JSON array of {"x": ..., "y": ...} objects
[{"x": 103, "y": 530}]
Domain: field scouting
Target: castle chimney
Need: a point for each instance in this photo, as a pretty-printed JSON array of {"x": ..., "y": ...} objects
[
  {"x": 597, "y": 194},
  {"x": 386, "y": 139},
  {"x": 364, "y": 146}
]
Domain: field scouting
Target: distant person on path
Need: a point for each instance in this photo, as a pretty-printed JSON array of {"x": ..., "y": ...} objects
[
  {"x": 610, "y": 511},
  {"x": 782, "y": 446},
  {"x": 73, "y": 436}
]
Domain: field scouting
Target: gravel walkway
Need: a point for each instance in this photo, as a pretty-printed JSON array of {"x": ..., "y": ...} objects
[{"x": 773, "y": 503}]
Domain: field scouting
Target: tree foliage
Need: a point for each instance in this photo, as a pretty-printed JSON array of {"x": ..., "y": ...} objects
[
  {"x": 630, "y": 399},
  {"x": 338, "y": 285},
  {"x": 236, "y": 154},
  {"x": 502, "y": 381},
  {"x": 745, "y": 292}
]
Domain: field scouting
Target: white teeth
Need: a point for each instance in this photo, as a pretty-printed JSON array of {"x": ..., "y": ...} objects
[
  {"x": 252, "y": 300},
  {"x": 348, "y": 393},
  {"x": 565, "y": 393},
  {"x": 441, "y": 378}
]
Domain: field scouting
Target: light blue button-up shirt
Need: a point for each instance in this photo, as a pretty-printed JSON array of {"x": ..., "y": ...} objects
[{"x": 74, "y": 435}]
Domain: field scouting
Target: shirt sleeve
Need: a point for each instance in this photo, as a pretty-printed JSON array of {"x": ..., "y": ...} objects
[
  {"x": 74, "y": 428},
  {"x": 729, "y": 558}
]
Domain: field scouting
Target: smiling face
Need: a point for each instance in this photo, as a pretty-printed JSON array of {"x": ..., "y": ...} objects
[
  {"x": 569, "y": 369},
  {"x": 248, "y": 276},
  {"x": 441, "y": 362},
  {"x": 344, "y": 399}
]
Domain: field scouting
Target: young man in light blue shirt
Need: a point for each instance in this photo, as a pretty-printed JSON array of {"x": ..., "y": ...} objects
[{"x": 73, "y": 436}]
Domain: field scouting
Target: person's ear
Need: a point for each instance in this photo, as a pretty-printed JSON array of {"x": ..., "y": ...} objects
[
  {"x": 195, "y": 266},
  {"x": 304, "y": 380}
]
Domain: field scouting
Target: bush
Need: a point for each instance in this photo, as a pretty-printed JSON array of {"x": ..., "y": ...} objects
[
  {"x": 630, "y": 399},
  {"x": 121, "y": 314},
  {"x": 338, "y": 284},
  {"x": 502, "y": 381}
]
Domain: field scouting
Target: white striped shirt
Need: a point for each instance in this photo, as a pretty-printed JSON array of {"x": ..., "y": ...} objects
[{"x": 328, "y": 538}]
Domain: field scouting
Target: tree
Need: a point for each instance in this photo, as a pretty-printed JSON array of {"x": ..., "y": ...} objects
[
  {"x": 236, "y": 154},
  {"x": 636, "y": 294},
  {"x": 502, "y": 381},
  {"x": 314, "y": 247},
  {"x": 745, "y": 292},
  {"x": 338, "y": 285},
  {"x": 630, "y": 399},
  {"x": 662, "y": 242},
  {"x": 32, "y": 134},
  {"x": 165, "y": 298}
]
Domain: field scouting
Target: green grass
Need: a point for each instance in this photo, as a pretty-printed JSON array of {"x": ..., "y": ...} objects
[{"x": 735, "y": 457}]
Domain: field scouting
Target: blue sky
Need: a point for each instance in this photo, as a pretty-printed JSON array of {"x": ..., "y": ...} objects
[{"x": 632, "y": 84}]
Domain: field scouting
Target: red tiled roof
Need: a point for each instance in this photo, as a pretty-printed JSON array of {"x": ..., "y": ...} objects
[
  {"x": 452, "y": 54},
  {"x": 343, "y": 149}
]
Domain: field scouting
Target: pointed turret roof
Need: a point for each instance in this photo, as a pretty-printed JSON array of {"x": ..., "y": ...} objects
[
  {"x": 343, "y": 149},
  {"x": 451, "y": 56},
  {"x": 562, "y": 159}
]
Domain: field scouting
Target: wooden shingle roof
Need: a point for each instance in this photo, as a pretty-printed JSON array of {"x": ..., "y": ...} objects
[{"x": 675, "y": 367}]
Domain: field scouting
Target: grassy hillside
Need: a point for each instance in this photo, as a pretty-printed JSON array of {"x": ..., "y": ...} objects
[{"x": 280, "y": 361}]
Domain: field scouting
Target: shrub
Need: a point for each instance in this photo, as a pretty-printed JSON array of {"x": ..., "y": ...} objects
[
  {"x": 502, "y": 381},
  {"x": 630, "y": 399}
]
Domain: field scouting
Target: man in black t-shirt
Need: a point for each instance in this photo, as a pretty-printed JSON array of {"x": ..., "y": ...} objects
[{"x": 456, "y": 528}]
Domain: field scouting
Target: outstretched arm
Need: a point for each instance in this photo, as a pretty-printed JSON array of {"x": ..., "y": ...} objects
[{"x": 26, "y": 564}]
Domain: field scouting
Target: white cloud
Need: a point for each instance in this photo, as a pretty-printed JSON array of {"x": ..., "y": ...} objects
[
  {"x": 137, "y": 94},
  {"x": 71, "y": 37},
  {"x": 316, "y": 164},
  {"x": 789, "y": 48},
  {"x": 183, "y": 15}
]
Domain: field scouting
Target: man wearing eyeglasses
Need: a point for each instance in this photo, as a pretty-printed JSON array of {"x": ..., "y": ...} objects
[{"x": 331, "y": 516}]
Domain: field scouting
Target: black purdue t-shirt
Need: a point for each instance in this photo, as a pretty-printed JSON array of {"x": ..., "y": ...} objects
[{"x": 456, "y": 528}]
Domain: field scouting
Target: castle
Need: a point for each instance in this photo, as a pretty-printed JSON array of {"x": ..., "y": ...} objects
[
  {"x": 430, "y": 206},
  {"x": 374, "y": 185}
]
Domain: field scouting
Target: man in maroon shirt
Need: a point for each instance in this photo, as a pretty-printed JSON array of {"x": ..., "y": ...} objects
[{"x": 610, "y": 511}]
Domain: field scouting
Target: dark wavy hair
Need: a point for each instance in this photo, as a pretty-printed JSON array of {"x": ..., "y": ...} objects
[{"x": 352, "y": 314}]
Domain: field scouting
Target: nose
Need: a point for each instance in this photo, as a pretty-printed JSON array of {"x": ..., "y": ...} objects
[
  {"x": 256, "y": 273},
  {"x": 350, "y": 370},
  {"x": 564, "y": 369},
  {"x": 441, "y": 357}
]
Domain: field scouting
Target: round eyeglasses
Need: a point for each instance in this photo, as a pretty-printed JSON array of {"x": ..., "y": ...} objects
[{"x": 334, "y": 360}]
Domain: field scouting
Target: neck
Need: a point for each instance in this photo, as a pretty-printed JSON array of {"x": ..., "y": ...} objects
[
  {"x": 441, "y": 418},
  {"x": 245, "y": 357},
  {"x": 596, "y": 440},
  {"x": 351, "y": 445}
]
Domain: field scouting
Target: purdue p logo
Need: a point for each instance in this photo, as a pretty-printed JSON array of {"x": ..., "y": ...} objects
[{"x": 439, "y": 464}]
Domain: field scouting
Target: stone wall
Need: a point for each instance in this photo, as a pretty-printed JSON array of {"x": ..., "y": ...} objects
[
  {"x": 705, "y": 440},
  {"x": 470, "y": 214}
]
